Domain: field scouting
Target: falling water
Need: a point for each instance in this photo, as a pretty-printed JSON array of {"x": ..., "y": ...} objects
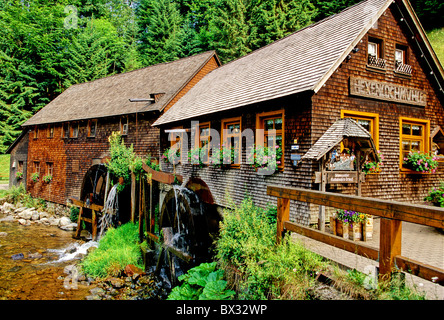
[{"x": 110, "y": 210}]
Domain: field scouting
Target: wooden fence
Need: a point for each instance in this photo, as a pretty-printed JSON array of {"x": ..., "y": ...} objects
[{"x": 392, "y": 214}]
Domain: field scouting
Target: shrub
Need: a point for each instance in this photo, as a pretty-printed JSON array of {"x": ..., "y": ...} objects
[
  {"x": 255, "y": 266},
  {"x": 436, "y": 195},
  {"x": 117, "y": 248}
]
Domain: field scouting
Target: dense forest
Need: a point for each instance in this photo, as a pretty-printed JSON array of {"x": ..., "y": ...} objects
[{"x": 47, "y": 45}]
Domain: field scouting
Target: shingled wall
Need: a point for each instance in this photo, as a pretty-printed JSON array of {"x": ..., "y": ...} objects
[
  {"x": 72, "y": 157},
  {"x": 390, "y": 183}
]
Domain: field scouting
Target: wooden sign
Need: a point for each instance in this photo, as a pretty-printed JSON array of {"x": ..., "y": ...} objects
[
  {"x": 332, "y": 177},
  {"x": 342, "y": 177},
  {"x": 387, "y": 91}
]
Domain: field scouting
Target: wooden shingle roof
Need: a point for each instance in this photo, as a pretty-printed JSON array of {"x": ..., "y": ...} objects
[
  {"x": 110, "y": 96},
  {"x": 340, "y": 130},
  {"x": 299, "y": 62}
]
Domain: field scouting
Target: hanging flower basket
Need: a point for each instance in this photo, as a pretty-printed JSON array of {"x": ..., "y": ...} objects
[
  {"x": 19, "y": 175},
  {"x": 47, "y": 178},
  {"x": 35, "y": 177},
  {"x": 421, "y": 162}
]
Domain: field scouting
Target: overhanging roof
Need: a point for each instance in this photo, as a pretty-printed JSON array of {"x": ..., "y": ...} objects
[{"x": 340, "y": 130}]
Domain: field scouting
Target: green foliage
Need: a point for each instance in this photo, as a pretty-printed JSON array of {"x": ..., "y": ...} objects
[
  {"x": 202, "y": 282},
  {"x": 122, "y": 160},
  {"x": 18, "y": 194},
  {"x": 161, "y": 32},
  {"x": 117, "y": 248},
  {"x": 264, "y": 270},
  {"x": 436, "y": 195},
  {"x": 436, "y": 38},
  {"x": 4, "y": 167},
  {"x": 421, "y": 162}
]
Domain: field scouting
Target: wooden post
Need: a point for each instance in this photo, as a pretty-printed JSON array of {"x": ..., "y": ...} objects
[
  {"x": 140, "y": 211},
  {"x": 94, "y": 225},
  {"x": 389, "y": 246},
  {"x": 79, "y": 224},
  {"x": 321, "y": 218},
  {"x": 133, "y": 197},
  {"x": 283, "y": 214}
]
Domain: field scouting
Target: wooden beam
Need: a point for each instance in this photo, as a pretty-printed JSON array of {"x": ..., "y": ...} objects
[
  {"x": 179, "y": 253},
  {"x": 421, "y": 270},
  {"x": 82, "y": 204},
  {"x": 420, "y": 214},
  {"x": 163, "y": 177},
  {"x": 133, "y": 197},
  {"x": 338, "y": 242}
]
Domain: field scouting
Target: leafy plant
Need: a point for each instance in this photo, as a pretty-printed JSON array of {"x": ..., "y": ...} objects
[
  {"x": 254, "y": 265},
  {"x": 35, "y": 177},
  {"x": 123, "y": 161},
  {"x": 436, "y": 195},
  {"x": 421, "y": 162},
  {"x": 47, "y": 178},
  {"x": 202, "y": 282},
  {"x": 19, "y": 175}
]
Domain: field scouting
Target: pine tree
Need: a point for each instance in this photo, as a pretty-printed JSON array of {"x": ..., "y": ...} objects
[{"x": 161, "y": 33}]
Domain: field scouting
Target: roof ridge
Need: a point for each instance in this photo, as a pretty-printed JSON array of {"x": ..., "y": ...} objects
[
  {"x": 314, "y": 24},
  {"x": 143, "y": 68}
]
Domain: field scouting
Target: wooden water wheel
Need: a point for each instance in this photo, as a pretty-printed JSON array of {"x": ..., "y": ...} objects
[{"x": 184, "y": 235}]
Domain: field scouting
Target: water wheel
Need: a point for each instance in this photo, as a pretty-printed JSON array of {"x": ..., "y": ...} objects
[
  {"x": 184, "y": 233},
  {"x": 94, "y": 184}
]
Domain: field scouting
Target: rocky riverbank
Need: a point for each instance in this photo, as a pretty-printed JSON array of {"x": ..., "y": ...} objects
[
  {"x": 27, "y": 216},
  {"x": 71, "y": 283}
]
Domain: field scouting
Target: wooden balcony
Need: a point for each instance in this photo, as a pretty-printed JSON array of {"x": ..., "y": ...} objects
[
  {"x": 402, "y": 68},
  {"x": 376, "y": 62}
]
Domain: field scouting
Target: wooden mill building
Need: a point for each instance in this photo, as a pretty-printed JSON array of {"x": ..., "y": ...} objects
[
  {"x": 372, "y": 63},
  {"x": 70, "y": 134}
]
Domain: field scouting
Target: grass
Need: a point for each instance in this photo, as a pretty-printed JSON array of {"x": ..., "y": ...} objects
[
  {"x": 436, "y": 38},
  {"x": 4, "y": 168},
  {"x": 117, "y": 248}
]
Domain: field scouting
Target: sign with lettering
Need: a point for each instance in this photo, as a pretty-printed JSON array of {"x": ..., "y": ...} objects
[
  {"x": 332, "y": 177},
  {"x": 387, "y": 91}
]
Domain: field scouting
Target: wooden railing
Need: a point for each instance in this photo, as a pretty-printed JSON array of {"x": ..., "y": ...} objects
[{"x": 392, "y": 214}]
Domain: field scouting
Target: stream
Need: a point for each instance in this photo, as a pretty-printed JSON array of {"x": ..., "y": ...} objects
[{"x": 35, "y": 261}]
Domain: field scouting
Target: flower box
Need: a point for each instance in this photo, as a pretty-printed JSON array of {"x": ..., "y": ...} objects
[{"x": 356, "y": 231}]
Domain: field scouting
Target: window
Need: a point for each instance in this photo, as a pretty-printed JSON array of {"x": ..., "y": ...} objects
[
  {"x": 204, "y": 140},
  {"x": 50, "y": 168},
  {"x": 414, "y": 136},
  {"x": 50, "y": 131},
  {"x": 65, "y": 130},
  {"x": 74, "y": 130},
  {"x": 232, "y": 138},
  {"x": 401, "y": 65},
  {"x": 36, "y": 132},
  {"x": 370, "y": 121},
  {"x": 37, "y": 167},
  {"x": 375, "y": 53},
  {"x": 20, "y": 166},
  {"x": 272, "y": 121},
  {"x": 92, "y": 128},
  {"x": 179, "y": 133},
  {"x": 124, "y": 125}
]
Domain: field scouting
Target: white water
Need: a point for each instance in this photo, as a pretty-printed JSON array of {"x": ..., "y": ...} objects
[
  {"x": 76, "y": 249},
  {"x": 109, "y": 210}
]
